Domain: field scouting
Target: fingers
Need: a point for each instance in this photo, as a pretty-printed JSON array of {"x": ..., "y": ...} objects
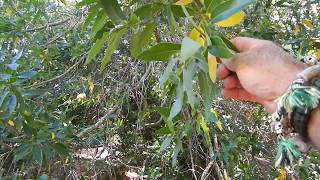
[
  {"x": 231, "y": 82},
  {"x": 222, "y": 72},
  {"x": 245, "y": 43},
  {"x": 239, "y": 94}
]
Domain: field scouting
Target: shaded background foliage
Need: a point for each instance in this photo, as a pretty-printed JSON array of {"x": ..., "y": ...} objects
[{"x": 66, "y": 119}]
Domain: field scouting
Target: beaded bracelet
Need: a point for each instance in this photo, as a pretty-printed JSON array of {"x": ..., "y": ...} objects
[
  {"x": 301, "y": 98},
  {"x": 293, "y": 113}
]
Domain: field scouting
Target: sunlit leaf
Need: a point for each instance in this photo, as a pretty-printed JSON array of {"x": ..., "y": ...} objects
[
  {"x": 219, "y": 125},
  {"x": 318, "y": 54},
  {"x": 308, "y": 23},
  {"x": 227, "y": 8},
  {"x": 90, "y": 85},
  {"x": 232, "y": 20},
  {"x": 212, "y": 66},
  {"x": 196, "y": 36},
  {"x": 11, "y": 123},
  {"x": 183, "y": 2},
  {"x": 282, "y": 174}
]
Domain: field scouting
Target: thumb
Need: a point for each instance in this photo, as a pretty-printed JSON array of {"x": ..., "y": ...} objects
[{"x": 232, "y": 63}]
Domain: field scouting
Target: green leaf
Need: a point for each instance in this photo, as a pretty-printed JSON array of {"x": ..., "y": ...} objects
[
  {"x": 227, "y": 8},
  {"x": 113, "y": 10},
  {"x": 113, "y": 44},
  {"x": 207, "y": 89},
  {"x": 219, "y": 48},
  {"x": 139, "y": 40},
  {"x": 178, "y": 12},
  {"x": 163, "y": 131},
  {"x": 26, "y": 74},
  {"x": 166, "y": 143},
  {"x": 205, "y": 131},
  {"x": 12, "y": 103},
  {"x": 188, "y": 74},
  {"x": 60, "y": 148},
  {"x": 172, "y": 22},
  {"x": 189, "y": 48},
  {"x": 85, "y": 2},
  {"x": 177, "y": 105},
  {"x": 95, "y": 49},
  {"x": 163, "y": 111},
  {"x": 210, "y": 4},
  {"x": 3, "y": 95},
  {"x": 164, "y": 77},
  {"x": 160, "y": 52},
  {"x": 229, "y": 44},
  {"x": 34, "y": 92},
  {"x": 22, "y": 151},
  {"x": 92, "y": 12},
  {"x": 146, "y": 11},
  {"x": 98, "y": 23},
  {"x": 37, "y": 155},
  {"x": 176, "y": 151}
]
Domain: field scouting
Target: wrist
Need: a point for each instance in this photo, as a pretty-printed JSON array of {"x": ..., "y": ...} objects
[{"x": 314, "y": 128}]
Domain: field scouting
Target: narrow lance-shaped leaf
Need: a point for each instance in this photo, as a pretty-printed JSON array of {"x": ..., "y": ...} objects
[
  {"x": 227, "y": 8},
  {"x": 212, "y": 67},
  {"x": 160, "y": 52},
  {"x": 219, "y": 48},
  {"x": 188, "y": 48},
  {"x": 140, "y": 39},
  {"x": 92, "y": 12},
  {"x": 95, "y": 49},
  {"x": 113, "y": 10},
  {"x": 176, "y": 151},
  {"x": 176, "y": 107},
  {"x": 26, "y": 74},
  {"x": 85, "y": 2},
  {"x": 98, "y": 24},
  {"x": 232, "y": 20},
  {"x": 183, "y": 2},
  {"x": 188, "y": 74},
  {"x": 166, "y": 143},
  {"x": 113, "y": 44},
  {"x": 167, "y": 71},
  {"x": 12, "y": 104},
  {"x": 172, "y": 22}
]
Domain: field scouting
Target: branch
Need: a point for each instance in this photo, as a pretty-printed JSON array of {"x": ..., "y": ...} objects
[
  {"x": 46, "y": 26},
  {"x": 206, "y": 171},
  {"x": 57, "y": 77},
  {"x": 98, "y": 123}
]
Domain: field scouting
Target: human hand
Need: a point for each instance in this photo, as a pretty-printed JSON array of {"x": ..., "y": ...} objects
[{"x": 263, "y": 72}]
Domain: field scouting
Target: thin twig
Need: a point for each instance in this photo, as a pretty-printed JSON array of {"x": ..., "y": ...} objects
[
  {"x": 99, "y": 122},
  {"x": 47, "y": 25},
  {"x": 59, "y": 76}
]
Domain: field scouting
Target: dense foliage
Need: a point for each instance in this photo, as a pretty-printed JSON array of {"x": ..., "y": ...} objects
[{"x": 115, "y": 89}]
